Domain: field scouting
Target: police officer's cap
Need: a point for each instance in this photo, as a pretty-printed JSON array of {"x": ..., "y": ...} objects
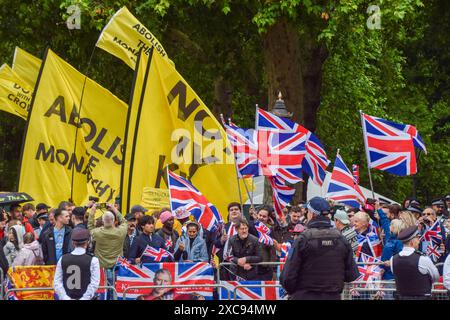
[
  {"x": 80, "y": 235},
  {"x": 409, "y": 233},
  {"x": 437, "y": 202},
  {"x": 414, "y": 209},
  {"x": 447, "y": 197},
  {"x": 318, "y": 205}
]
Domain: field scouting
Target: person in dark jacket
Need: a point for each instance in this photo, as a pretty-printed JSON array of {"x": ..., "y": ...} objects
[
  {"x": 245, "y": 250},
  {"x": 282, "y": 231},
  {"x": 321, "y": 260},
  {"x": 132, "y": 234},
  {"x": 55, "y": 241},
  {"x": 148, "y": 237}
]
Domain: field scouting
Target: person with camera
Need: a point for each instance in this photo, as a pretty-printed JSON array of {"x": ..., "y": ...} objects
[
  {"x": 77, "y": 274},
  {"x": 108, "y": 238}
]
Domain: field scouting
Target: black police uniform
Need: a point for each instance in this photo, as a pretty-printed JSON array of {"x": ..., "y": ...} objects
[
  {"x": 321, "y": 262},
  {"x": 71, "y": 265},
  {"x": 410, "y": 283}
]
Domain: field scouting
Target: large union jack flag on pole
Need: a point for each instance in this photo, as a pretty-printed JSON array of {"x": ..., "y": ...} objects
[
  {"x": 268, "y": 153},
  {"x": 184, "y": 196},
  {"x": 342, "y": 187},
  {"x": 315, "y": 161},
  {"x": 389, "y": 148}
]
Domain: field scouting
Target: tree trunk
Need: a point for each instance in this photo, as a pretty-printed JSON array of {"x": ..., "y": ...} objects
[
  {"x": 294, "y": 67},
  {"x": 222, "y": 97}
]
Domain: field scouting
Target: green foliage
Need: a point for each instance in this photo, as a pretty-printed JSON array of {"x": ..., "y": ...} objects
[{"x": 400, "y": 72}]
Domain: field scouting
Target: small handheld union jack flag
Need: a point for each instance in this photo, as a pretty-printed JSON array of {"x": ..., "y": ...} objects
[
  {"x": 433, "y": 239},
  {"x": 264, "y": 233},
  {"x": 157, "y": 255}
]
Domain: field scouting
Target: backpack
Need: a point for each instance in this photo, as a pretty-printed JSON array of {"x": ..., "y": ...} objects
[{"x": 38, "y": 260}]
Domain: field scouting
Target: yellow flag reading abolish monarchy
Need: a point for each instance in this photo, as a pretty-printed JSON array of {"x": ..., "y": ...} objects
[
  {"x": 124, "y": 36},
  {"x": 15, "y": 93},
  {"x": 60, "y": 162},
  {"x": 26, "y": 66},
  {"x": 170, "y": 126}
]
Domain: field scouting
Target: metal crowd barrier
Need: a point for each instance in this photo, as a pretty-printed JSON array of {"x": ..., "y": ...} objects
[
  {"x": 277, "y": 263},
  {"x": 124, "y": 296},
  {"x": 53, "y": 289},
  {"x": 383, "y": 290},
  {"x": 253, "y": 286}
]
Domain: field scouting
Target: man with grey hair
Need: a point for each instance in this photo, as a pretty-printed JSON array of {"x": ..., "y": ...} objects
[{"x": 108, "y": 238}]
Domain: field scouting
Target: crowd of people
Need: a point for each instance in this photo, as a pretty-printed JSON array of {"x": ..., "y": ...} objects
[{"x": 42, "y": 235}]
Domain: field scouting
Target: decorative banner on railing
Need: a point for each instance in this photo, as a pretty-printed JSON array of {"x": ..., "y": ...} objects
[
  {"x": 263, "y": 292},
  {"x": 166, "y": 273}
]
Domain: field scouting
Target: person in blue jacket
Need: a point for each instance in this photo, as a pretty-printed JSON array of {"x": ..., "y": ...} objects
[
  {"x": 392, "y": 245},
  {"x": 191, "y": 248}
]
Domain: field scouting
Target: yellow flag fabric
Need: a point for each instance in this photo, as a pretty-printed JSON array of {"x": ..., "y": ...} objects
[
  {"x": 60, "y": 162},
  {"x": 155, "y": 199},
  {"x": 169, "y": 125},
  {"x": 15, "y": 93},
  {"x": 26, "y": 66},
  {"x": 124, "y": 36}
]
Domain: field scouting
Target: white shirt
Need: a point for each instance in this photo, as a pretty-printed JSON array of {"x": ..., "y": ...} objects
[
  {"x": 93, "y": 284},
  {"x": 446, "y": 272},
  {"x": 426, "y": 266}
]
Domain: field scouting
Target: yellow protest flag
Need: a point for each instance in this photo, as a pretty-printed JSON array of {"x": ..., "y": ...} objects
[
  {"x": 58, "y": 161},
  {"x": 26, "y": 66},
  {"x": 15, "y": 93},
  {"x": 169, "y": 125},
  {"x": 124, "y": 36}
]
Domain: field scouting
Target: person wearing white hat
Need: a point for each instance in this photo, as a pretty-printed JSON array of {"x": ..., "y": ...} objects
[{"x": 342, "y": 222}]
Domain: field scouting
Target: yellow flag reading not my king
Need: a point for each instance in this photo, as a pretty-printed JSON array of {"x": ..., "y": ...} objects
[
  {"x": 15, "y": 93},
  {"x": 169, "y": 125},
  {"x": 26, "y": 66},
  {"x": 58, "y": 162},
  {"x": 124, "y": 36}
]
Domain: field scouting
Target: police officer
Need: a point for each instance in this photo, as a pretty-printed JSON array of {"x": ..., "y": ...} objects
[
  {"x": 77, "y": 275},
  {"x": 321, "y": 259},
  {"x": 414, "y": 272}
]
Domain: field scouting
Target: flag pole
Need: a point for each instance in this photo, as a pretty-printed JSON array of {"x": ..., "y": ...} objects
[
  {"x": 235, "y": 165},
  {"x": 367, "y": 154}
]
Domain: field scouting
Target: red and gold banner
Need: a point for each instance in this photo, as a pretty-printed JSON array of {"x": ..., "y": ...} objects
[{"x": 32, "y": 277}]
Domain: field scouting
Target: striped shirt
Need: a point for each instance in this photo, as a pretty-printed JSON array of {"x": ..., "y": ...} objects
[{"x": 351, "y": 236}]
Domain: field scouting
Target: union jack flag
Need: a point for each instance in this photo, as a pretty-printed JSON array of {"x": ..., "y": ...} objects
[
  {"x": 245, "y": 148},
  {"x": 168, "y": 243},
  {"x": 369, "y": 273},
  {"x": 181, "y": 273},
  {"x": 184, "y": 196},
  {"x": 157, "y": 255},
  {"x": 315, "y": 161},
  {"x": 355, "y": 171},
  {"x": 387, "y": 147},
  {"x": 342, "y": 187},
  {"x": 373, "y": 241},
  {"x": 281, "y": 194},
  {"x": 264, "y": 233},
  {"x": 283, "y": 255},
  {"x": 432, "y": 239},
  {"x": 252, "y": 293},
  {"x": 227, "y": 254}
]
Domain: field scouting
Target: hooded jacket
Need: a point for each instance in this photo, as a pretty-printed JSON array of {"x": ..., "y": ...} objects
[
  {"x": 9, "y": 249},
  {"x": 29, "y": 254}
]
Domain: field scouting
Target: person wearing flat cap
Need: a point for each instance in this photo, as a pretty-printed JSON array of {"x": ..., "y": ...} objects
[
  {"x": 77, "y": 274},
  {"x": 413, "y": 271},
  {"x": 321, "y": 260}
]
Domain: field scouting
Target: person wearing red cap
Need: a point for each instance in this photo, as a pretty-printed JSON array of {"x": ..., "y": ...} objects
[{"x": 167, "y": 232}]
